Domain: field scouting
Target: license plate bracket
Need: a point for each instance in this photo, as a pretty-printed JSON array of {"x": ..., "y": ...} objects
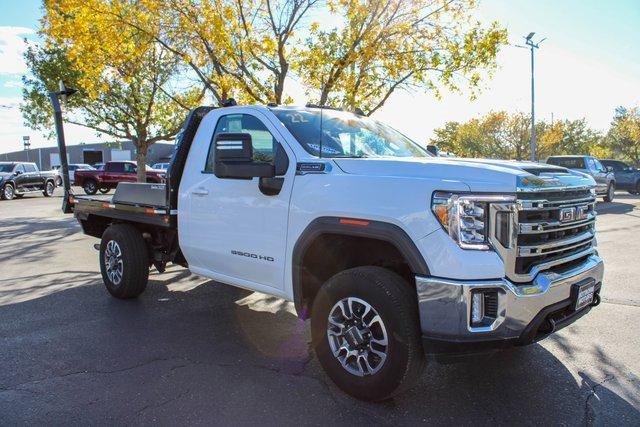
[{"x": 582, "y": 294}]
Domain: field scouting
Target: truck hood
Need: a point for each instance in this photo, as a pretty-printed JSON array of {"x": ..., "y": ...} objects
[{"x": 482, "y": 175}]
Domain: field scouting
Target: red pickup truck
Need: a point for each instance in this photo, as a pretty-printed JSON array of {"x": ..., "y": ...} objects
[{"x": 113, "y": 172}]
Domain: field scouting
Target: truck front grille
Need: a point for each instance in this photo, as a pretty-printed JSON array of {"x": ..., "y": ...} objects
[
  {"x": 550, "y": 231},
  {"x": 553, "y": 226}
]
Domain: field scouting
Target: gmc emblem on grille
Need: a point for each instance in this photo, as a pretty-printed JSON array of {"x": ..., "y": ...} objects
[
  {"x": 567, "y": 214},
  {"x": 573, "y": 214}
]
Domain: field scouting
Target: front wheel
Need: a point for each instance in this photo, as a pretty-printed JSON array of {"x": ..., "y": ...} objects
[
  {"x": 124, "y": 261},
  {"x": 611, "y": 191},
  {"x": 90, "y": 187},
  {"x": 366, "y": 333},
  {"x": 49, "y": 187},
  {"x": 8, "y": 192}
]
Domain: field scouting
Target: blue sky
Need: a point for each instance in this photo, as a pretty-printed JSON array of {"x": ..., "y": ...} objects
[{"x": 589, "y": 64}]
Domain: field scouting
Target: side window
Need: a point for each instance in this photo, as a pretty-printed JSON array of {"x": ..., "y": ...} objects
[
  {"x": 262, "y": 140},
  {"x": 29, "y": 168},
  {"x": 598, "y": 165},
  {"x": 129, "y": 168},
  {"x": 114, "y": 167},
  {"x": 19, "y": 168}
]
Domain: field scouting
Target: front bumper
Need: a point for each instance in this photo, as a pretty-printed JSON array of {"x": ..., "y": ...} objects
[{"x": 523, "y": 310}]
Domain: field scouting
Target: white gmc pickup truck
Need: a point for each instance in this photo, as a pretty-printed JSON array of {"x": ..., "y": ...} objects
[{"x": 392, "y": 253}]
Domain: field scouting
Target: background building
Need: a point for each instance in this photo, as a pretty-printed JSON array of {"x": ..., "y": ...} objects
[{"x": 47, "y": 157}]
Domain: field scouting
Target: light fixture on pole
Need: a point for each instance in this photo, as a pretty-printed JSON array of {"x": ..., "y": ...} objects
[
  {"x": 26, "y": 141},
  {"x": 530, "y": 44}
]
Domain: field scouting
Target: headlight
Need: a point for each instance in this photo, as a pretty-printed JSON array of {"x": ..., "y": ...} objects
[{"x": 465, "y": 216}]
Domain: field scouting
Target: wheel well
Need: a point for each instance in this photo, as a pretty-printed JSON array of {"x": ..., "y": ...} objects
[{"x": 329, "y": 254}]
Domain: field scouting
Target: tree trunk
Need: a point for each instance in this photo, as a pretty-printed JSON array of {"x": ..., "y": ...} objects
[{"x": 141, "y": 157}]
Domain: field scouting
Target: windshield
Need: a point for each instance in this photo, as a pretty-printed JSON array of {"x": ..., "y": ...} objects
[
  {"x": 345, "y": 134},
  {"x": 6, "y": 167}
]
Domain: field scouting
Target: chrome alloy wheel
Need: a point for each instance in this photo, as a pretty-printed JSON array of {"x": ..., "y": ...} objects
[
  {"x": 49, "y": 188},
  {"x": 8, "y": 192},
  {"x": 113, "y": 262},
  {"x": 357, "y": 336}
]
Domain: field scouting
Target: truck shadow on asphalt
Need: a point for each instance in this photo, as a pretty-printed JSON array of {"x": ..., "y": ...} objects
[
  {"x": 192, "y": 352},
  {"x": 27, "y": 238},
  {"x": 622, "y": 204}
]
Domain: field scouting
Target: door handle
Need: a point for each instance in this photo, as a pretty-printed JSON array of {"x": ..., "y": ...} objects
[{"x": 200, "y": 192}]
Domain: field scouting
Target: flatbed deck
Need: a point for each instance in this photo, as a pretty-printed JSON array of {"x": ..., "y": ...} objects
[{"x": 105, "y": 206}]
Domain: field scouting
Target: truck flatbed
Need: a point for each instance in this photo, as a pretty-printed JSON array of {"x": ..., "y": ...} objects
[{"x": 132, "y": 202}]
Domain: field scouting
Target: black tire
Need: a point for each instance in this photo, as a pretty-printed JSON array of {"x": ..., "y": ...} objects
[
  {"x": 59, "y": 181},
  {"x": 396, "y": 304},
  {"x": 611, "y": 189},
  {"x": 134, "y": 257},
  {"x": 8, "y": 192},
  {"x": 49, "y": 188},
  {"x": 104, "y": 190},
  {"x": 90, "y": 187}
]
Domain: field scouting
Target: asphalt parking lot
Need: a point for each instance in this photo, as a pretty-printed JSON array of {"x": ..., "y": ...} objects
[{"x": 191, "y": 351}]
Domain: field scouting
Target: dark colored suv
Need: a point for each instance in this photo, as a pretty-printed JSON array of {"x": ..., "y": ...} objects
[
  {"x": 627, "y": 177},
  {"x": 605, "y": 180}
]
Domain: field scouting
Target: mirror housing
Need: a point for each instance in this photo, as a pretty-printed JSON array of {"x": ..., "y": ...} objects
[
  {"x": 16, "y": 173},
  {"x": 234, "y": 158},
  {"x": 608, "y": 168}
]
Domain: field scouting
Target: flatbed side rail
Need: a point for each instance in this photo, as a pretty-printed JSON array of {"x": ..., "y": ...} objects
[{"x": 151, "y": 215}]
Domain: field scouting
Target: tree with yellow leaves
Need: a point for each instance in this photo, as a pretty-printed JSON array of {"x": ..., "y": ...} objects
[
  {"x": 371, "y": 48},
  {"x": 127, "y": 83}
]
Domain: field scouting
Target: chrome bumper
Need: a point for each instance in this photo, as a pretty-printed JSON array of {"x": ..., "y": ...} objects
[{"x": 445, "y": 304}]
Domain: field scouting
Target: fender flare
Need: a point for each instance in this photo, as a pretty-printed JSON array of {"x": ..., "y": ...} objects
[{"x": 379, "y": 230}]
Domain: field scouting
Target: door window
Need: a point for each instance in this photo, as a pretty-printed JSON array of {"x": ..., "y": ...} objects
[
  {"x": 598, "y": 166},
  {"x": 19, "y": 168},
  {"x": 262, "y": 140},
  {"x": 114, "y": 167},
  {"x": 129, "y": 168},
  {"x": 29, "y": 168}
]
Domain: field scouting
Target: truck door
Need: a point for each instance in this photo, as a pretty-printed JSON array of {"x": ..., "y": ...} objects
[
  {"x": 599, "y": 173},
  {"x": 20, "y": 178},
  {"x": 32, "y": 177},
  {"x": 234, "y": 232}
]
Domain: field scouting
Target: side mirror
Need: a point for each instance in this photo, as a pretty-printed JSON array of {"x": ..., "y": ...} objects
[
  {"x": 234, "y": 158},
  {"x": 16, "y": 173},
  {"x": 609, "y": 169}
]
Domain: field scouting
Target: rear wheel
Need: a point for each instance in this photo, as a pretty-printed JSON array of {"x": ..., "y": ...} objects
[
  {"x": 8, "y": 192},
  {"x": 366, "y": 334},
  {"x": 90, "y": 187},
  {"x": 611, "y": 191},
  {"x": 59, "y": 181},
  {"x": 49, "y": 187},
  {"x": 124, "y": 261}
]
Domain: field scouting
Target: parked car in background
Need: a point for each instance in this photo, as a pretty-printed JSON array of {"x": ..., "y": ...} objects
[
  {"x": 627, "y": 177},
  {"x": 161, "y": 166},
  {"x": 73, "y": 167},
  {"x": 20, "y": 178},
  {"x": 605, "y": 180},
  {"x": 114, "y": 172},
  {"x": 98, "y": 166}
]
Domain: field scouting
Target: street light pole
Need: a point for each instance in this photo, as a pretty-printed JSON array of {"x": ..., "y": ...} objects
[{"x": 531, "y": 45}]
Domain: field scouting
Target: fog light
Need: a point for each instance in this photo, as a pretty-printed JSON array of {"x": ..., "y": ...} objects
[{"x": 477, "y": 307}]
